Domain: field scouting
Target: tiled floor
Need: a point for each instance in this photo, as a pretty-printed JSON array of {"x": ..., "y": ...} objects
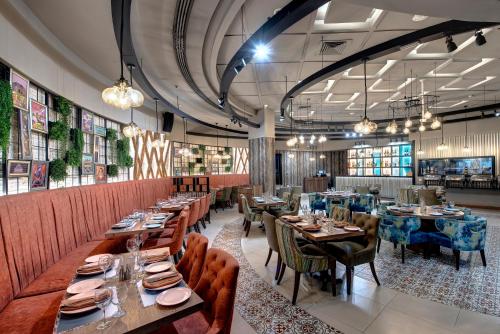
[{"x": 370, "y": 309}]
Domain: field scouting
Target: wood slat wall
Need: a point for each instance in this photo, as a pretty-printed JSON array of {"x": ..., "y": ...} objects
[
  {"x": 150, "y": 162},
  {"x": 261, "y": 163}
]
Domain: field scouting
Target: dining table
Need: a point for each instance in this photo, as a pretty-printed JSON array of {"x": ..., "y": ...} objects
[
  {"x": 139, "y": 226},
  {"x": 142, "y": 313},
  {"x": 267, "y": 201},
  {"x": 339, "y": 194}
]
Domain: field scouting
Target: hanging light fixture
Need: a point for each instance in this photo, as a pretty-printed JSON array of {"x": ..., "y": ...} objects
[
  {"x": 322, "y": 156},
  {"x": 313, "y": 138},
  {"x": 420, "y": 151},
  {"x": 131, "y": 130},
  {"x": 442, "y": 146},
  {"x": 365, "y": 126},
  {"x": 406, "y": 131},
  {"x": 435, "y": 123},
  {"x": 158, "y": 142},
  {"x": 226, "y": 155},
  {"x": 291, "y": 155},
  {"x": 121, "y": 94},
  {"x": 466, "y": 148},
  {"x": 217, "y": 156},
  {"x": 185, "y": 150},
  {"x": 293, "y": 139},
  {"x": 421, "y": 128},
  {"x": 312, "y": 159},
  {"x": 301, "y": 139},
  {"x": 392, "y": 127},
  {"x": 322, "y": 139}
]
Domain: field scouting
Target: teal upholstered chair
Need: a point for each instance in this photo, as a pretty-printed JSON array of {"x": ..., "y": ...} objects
[
  {"x": 466, "y": 235},
  {"x": 401, "y": 230},
  {"x": 306, "y": 259},
  {"x": 316, "y": 202},
  {"x": 249, "y": 214},
  {"x": 363, "y": 203}
]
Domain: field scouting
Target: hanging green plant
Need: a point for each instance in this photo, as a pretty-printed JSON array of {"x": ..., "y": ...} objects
[
  {"x": 111, "y": 135},
  {"x": 122, "y": 153},
  {"x": 74, "y": 155},
  {"x": 195, "y": 150},
  {"x": 6, "y": 108},
  {"x": 112, "y": 170},
  {"x": 191, "y": 167},
  {"x": 57, "y": 170},
  {"x": 227, "y": 150},
  {"x": 227, "y": 169},
  {"x": 203, "y": 169},
  {"x": 58, "y": 130},
  {"x": 202, "y": 148},
  {"x": 63, "y": 106}
]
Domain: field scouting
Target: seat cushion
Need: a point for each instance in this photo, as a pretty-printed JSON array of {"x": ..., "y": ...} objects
[
  {"x": 36, "y": 314},
  {"x": 440, "y": 239},
  {"x": 192, "y": 324},
  {"x": 419, "y": 237},
  {"x": 60, "y": 274},
  {"x": 341, "y": 250}
]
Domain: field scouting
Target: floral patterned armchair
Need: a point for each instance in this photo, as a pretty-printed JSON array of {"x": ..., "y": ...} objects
[
  {"x": 316, "y": 202},
  {"x": 462, "y": 235},
  {"x": 362, "y": 203}
]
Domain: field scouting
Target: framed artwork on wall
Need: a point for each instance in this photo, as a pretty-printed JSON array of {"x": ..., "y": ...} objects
[
  {"x": 100, "y": 130},
  {"x": 20, "y": 90},
  {"x": 39, "y": 175},
  {"x": 18, "y": 168},
  {"x": 87, "y": 121},
  {"x": 87, "y": 164},
  {"x": 100, "y": 173},
  {"x": 38, "y": 116},
  {"x": 24, "y": 135}
]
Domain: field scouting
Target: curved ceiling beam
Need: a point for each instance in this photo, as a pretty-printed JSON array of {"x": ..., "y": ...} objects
[
  {"x": 130, "y": 57},
  {"x": 278, "y": 23},
  {"x": 428, "y": 34}
]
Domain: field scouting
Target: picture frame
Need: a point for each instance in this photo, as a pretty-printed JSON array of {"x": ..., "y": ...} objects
[
  {"x": 39, "y": 175},
  {"x": 87, "y": 121},
  {"x": 18, "y": 168},
  {"x": 25, "y": 151},
  {"x": 100, "y": 175},
  {"x": 100, "y": 130},
  {"x": 87, "y": 164},
  {"x": 97, "y": 143},
  {"x": 20, "y": 90},
  {"x": 39, "y": 115}
]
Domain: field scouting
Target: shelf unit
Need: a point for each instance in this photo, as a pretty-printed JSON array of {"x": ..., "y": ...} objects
[
  {"x": 201, "y": 161},
  {"x": 192, "y": 184},
  {"x": 390, "y": 160}
]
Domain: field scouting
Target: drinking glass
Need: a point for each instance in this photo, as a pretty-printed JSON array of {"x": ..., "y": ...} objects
[
  {"x": 141, "y": 262},
  {"x": 105, "y": 262},
  {"x": 102, "y": 304},
  {"x": 132, "y": 245},
  {"x": 121, "y": 295}
]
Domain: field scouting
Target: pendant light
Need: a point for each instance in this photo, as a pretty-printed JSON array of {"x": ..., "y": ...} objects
[
  {"x": 131, "y": 130},
  {"x": 185, "y": 151},
  {"x": 158, "y": 142},
  {"x": 226, "y": 155},
  {"x": 322, "y": 137},
  {"x": 435, "y": 123},
  {"x": 217, "y": 156},
  {"x": 466, "y": 148},
  {"x": 365, "y": 126},
  {"x": 442, "y": 146},
  {"x": 291, "y": 155},
  {"x": 121, "y": 94},
  {"x": 408, "y": 122},
  {"x": 293, "y": 139},
  {"x": 420, "y": 151}
]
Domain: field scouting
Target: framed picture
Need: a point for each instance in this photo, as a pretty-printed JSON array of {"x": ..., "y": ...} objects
[
  {"x": 87, "y": 164},
  {"x": 100, "y": 173},
  {"x": 39, "y": 175},
  {"x": 38, "y": 116},
  {"x": 97, "y": 142},
  {"x": 87, "y": 121},
  {"x": 25, "y": 135},
  {"x": 100, "y": 130},
  {"x": 20, "y": 89},
  {"x": 18, "y": 168}
]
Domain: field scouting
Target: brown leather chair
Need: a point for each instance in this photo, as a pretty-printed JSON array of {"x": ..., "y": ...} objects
[
  {"x": 272, "y": 240},
  {"x": 193, "y": 216},
  {"x": 201, "y": 213},
  {"x": 358, "y": 250},
  {"x": 207, "y": 207},
  {"x": 174, "y": 242},
  {"x": 191, "y": 263},
  {"x": 217, "y": 287}
]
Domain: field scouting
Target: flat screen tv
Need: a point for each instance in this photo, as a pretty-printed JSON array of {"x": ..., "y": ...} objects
[{"x": 458, "y": 166}]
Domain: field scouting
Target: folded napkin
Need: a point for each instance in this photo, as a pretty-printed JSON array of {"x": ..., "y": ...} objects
[
  {"x": 151, "y": 258},
  {"x": 162, "y": 279},
  {"x": 86, "y": 300},
  {"x": 89, "y": 268},
  {"x": 313, "y": 227}
]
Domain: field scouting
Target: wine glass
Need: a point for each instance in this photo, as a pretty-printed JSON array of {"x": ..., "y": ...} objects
[
  {"x": 132, "y": 245},
  {"x": 105, "y": 262},
  {"x": 102, "y": 302},
  {"x": 141, "y": 262},
  {"x": 121, "y": 295}
]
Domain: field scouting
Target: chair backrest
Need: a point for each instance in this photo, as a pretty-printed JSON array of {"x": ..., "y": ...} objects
[
  {"x": 294, "y": 207},
  {"x": 363, "y": 190},
  {"x": 227, "y": 193},
  {"x": 234, "y": 193},
  {"x": 193, "y": 215},
  {"x": 208, "y": 202},
  {"x": 289, "y": 250},
  {"x": 270, "y": 227},
  {"x": 201, "y": 210},
  {"x": 191, "y": 263},
  {"x": 403, "y": 195},
  {"x": 397, "y": 229},
  {"x": 339, "y": 214},
  {"x": 180, "y": 230},
  {"x": 246, "y": 207},
  {"x": 465, "y": 235},
  {"x": 286, "y": 196},
  {"x": 213, "y": 196},
  {"x": 369, "y": 224},
  {"x": 428, "y": 196},
  {"x": 217, "y": 288}
]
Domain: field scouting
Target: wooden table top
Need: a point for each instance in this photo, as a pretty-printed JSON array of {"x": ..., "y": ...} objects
[
  {"x": 427, "y": 214},
  {"x": 268, "y": 202},
  {"x": 137, "y": 228},
  {"x": 326, "y": 234},
  {"x": 140, "y": 319},
  {"x": 339, "y": 194}
]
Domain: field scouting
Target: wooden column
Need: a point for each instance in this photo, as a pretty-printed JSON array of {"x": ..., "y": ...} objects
[{"x": 261, "y": 163}]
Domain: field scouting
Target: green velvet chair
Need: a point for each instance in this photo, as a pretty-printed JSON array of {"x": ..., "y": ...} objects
[
  {"x": 249, "y": 215},
  {"x": 272, "y": 240}
]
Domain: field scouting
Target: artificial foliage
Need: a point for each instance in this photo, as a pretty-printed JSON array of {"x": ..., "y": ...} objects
[
  {"x": 195, "y": 150},
  {"x": 112, "y": 170},
  {"x": 57, "y": 170},
  {"x": 227, "y": 150},
  {"x": 203, "y": 169},
  {"x": 191, "y": 167},
  {"x": 58, "y": 130},
  {"x": 63, "y": 106},
  {"x": 111, "y": 135},
  {"x": 202, "y": 148},
  {"x": 6, "y": 108},
  {"x": 122, "y": 153},
  {"x": 227, "y": 169},
  {"x": 74, "y": 154}
]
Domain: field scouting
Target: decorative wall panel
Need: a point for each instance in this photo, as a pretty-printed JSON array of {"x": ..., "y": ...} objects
[
  {"x": 241, "y": 160},
  {"x": 261, "y": 163},
  {"x": 150, "y": 162}
]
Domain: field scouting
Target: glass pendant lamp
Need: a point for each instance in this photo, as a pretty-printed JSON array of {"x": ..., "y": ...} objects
[{"x": 365, "y": 126}]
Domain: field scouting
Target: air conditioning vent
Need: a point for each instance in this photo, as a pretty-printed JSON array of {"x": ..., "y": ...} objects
[{"x": 333, "y": 47}]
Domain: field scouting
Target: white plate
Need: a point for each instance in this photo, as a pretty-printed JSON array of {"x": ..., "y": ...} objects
[
  {"x": 158, "y": 218},
  {"x": 155, "y": 225},
  {"x": 436, "y": 214},
  {"x": 85, "y": 285},
  {"x": 120, "y": 225},
  {"x": 158, "y": 267},
  {"x": 95, "y": 258},
  {"x": 351, "y": 228},
  {"x": 173, "y": 296},
  {"x": 164, "y": 287}
]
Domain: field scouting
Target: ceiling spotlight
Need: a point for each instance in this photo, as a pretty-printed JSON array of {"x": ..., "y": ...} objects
[
  {"x": 261, "y": 52},
  {"x": 421, "y": 128},
  {"x": 497, "y": 113},
  {"x": 347, "y": 135},
  {"x": 480, "y": 40},
  {"x": 450, "y": 45}
]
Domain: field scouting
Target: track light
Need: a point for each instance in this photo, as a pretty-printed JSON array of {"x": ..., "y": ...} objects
[
  {"x": 450, "y": 45},
  {"x": 261, "y": 52},
  {"x": 480, "y": 40}
]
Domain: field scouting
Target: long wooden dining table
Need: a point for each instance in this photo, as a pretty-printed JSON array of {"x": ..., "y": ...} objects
[{"x": 139, "y": 227}]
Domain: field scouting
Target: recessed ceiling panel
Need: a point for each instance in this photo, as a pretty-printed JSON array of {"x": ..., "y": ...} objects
[
  {"x": 402, "y": 21},
  {"x": 277, "y": 72},
  {"x": 371, "y": 69},
  {"x": 272, "y": 88},
  {"x": 244, "y": 88},
  {"x": 286, "y": 48},
  {"x": 343, "y": 12},
  {"x": 457, "y": 66}
]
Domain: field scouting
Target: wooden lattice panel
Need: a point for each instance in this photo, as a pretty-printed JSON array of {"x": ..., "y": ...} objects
[
  {"x": 241, "y": 160},
  {"x": 150, "y": 162}
]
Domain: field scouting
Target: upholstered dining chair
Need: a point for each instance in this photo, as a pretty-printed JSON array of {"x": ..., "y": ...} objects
[
  {"x": 193, "y": 216},
  {"x": 249, "y": 215},
  {"x": 234, "y": 195},
  {"x": 428, "y": 196},
  {"x": 401, "y": 230},
  {"x": 201, "y": 212},
  {"x": 317, "y": 202},
  {"x": 291, "y": 209},
  {"x": 362, "y": 203},
  {"x": 306, "y": 259},
  {"x": 363, "y": 190},
  {"x": 191, "y": 263},
  {"x": 272, "y": 240},
  {"x": 217, "y": 288},
  {"x": 213, "y": 198},
  {"x": 208, "y": 203},
  {"x": 466, "y": 235},
  {"x": 359, "y": 250},
  {"x": 339, "y": 214}
]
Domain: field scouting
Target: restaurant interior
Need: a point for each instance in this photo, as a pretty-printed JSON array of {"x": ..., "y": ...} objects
[{"x": 250, "y": 166}]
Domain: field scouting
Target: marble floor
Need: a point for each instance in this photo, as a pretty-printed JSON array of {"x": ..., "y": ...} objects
[{"x": 370, "y": 309}]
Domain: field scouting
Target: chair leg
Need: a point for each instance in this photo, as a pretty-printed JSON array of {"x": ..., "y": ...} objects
[
  {"x": 278, "y": 268},
  {"x": 176, "y": 258},
  {"x": 209, "y": 217},
  {"x": 402, "y": 253},
  {"x": 282, "y": 272},
  {"x": 457, "y": 259},
  {"x": 483, "y": 257},
  {"x": 379, "y": 241},
  {"x": 249, "y": 224},
  {"x": 202, "y": 221},
  {"x": 395, "y": 245},
  {"x": 268, "y": 257},
  {"x": 348, "y": 274},
  {"x": 332, "y": 263},
  {"x": 296, "y": 287},
  {"x": 372, "y": 267}
]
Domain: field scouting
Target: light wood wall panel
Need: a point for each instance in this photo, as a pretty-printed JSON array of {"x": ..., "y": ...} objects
[
  {"x": 261, "y": 163},
  {"x": 150, "y": 162}
]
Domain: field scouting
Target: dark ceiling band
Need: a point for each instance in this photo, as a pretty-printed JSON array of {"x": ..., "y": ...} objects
[
  {"x": 130, "y": 57},
  {"x": 428, "y": 34}
]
